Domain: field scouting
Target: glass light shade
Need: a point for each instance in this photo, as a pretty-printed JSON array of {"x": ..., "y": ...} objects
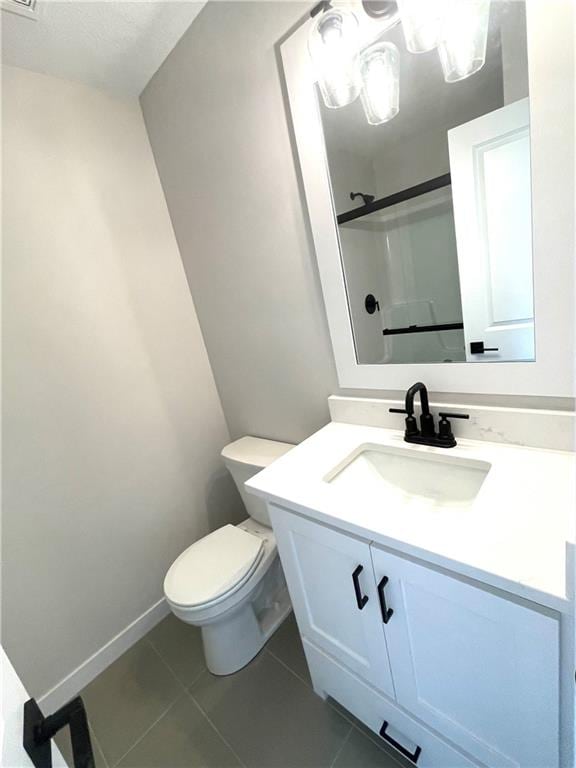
[
  {"x": 380, "y": 73},
  {"x": 421, "y": 21},
  {"x": 463, "y": 38},
  {"x": 334, "y": 46}
]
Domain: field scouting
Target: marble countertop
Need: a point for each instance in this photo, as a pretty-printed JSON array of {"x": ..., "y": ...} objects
[{"x": 517, "y": 534}]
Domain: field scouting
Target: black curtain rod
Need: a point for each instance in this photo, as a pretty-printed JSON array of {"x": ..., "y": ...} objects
[
  {"x": 423, "y": 328},
  {"x": 397, "y": 197}
]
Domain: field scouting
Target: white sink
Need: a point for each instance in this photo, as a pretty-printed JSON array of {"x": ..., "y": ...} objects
[{"x": 405, "y": 477}]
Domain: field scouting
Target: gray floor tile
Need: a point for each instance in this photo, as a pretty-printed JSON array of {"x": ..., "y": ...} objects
[
  {"x": 270, "y": 718},
  {"x": 126, "y": 699},
  {"x": 62, "y": 739},
  {"x": 180, "y": 645},
  {"x": 182, "y": 738},
  {"x": 361, "y": 752},
  {"x": 369, "y": 734},
  {"x": 286, "y": 645},
  {"x": 360, "y": 726}
]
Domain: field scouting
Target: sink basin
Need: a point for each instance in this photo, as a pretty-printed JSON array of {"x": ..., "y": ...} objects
[{"x": 405, "y": 477}]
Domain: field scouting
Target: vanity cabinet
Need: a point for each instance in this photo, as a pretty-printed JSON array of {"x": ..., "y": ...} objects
[
  {"x": 332, "y": 588},
  {"x": 481, "y": 669},
  {"x": 465, "y": 673}
]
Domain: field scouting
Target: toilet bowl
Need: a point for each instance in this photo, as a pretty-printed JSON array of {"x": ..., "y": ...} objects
[{"x": 230, "y": 583}]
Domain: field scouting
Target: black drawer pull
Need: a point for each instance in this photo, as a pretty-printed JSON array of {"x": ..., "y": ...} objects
[
  {"x": 387, "y": 613},
  {"x": 361, "y": 599},
  {"x": 412, "y": 756}
]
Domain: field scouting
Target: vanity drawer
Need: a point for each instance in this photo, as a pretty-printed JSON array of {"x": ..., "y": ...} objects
[{"x": 372, "y": 709}]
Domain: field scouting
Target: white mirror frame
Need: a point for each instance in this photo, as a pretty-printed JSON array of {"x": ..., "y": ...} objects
[{"x": 550, "y": 26}]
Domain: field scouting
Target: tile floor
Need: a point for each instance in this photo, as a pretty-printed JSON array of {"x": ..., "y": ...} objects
[{"x": 159, "y": 707}]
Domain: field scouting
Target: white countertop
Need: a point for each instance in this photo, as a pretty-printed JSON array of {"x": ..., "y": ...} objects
[{"x": 514, "y": 536}]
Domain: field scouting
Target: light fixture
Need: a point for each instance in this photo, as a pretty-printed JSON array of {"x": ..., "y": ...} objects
[
  {"x": 458, "y": 28},
  {"x": 385, "y": 11},
  {"x": 421, "y": 21},
  {"x": 380, "y": 73},
  {"x": 463, "y": 38},
  {"x": 333, "y": 44}
]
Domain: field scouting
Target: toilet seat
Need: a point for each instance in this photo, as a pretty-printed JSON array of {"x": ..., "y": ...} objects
[{"x": 213, "y": 568}]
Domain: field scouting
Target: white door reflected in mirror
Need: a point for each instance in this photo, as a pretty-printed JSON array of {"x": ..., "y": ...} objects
[{"x": 490, "y": 167}]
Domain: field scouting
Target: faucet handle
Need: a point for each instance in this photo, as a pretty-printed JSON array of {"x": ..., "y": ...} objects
[
  {"x": 411, "y": 425},
  {"x": 445, "y": 428}
]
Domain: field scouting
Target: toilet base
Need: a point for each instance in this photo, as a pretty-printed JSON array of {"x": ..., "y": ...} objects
[
  {"x": 233, "y": 640},
  {"x": 230, "y": 647}
]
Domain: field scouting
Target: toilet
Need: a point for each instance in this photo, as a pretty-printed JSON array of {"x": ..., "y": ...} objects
[{"x": 230, "y": 583}]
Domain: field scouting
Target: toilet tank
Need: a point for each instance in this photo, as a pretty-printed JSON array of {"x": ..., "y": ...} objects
[{"x": 246, "y": 457}]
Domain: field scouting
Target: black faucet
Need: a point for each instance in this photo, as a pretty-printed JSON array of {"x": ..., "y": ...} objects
[{"x": 427, "y": 434}]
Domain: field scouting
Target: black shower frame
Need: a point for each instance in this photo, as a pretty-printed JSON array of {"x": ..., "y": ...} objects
[{"x": 398, "y": 197}]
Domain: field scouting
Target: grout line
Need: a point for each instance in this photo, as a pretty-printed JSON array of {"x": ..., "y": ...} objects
[
  {"x": 195, "y": 680},
  {"x": 165, "y": 663},
  {"x": 217, "y": 731},
  {"x": 147, "y": 731},
  {"x": 327, "y": 701},
  {"x": 372, "y": 737},
  {"x": 286, "y": 666},
  {"x": 93, "y": 734},
  {"x": 180, "y": 682},
  {"x": 344, "y": 742},
  {"x": 98, "y": 745},
  {"x": 364, "y": 731},
  {"x": 375, "y": 739},
  {"x": 337, "y": 707}
]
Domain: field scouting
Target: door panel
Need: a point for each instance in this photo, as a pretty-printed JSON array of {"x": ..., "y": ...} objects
[
  {"x": 490, "y": 168},
  {"x": 319, "y": 564},
  {"x": 480, "y": 669}
]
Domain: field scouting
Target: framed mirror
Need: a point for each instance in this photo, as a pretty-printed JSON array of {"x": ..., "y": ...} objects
[{"x": 422, "y": 177}]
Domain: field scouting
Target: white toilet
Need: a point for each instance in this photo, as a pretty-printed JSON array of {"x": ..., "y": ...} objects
[{"x": 230, "y": 583}]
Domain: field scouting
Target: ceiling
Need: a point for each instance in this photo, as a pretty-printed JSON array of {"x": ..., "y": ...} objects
[{"x": 109, "y": 44}]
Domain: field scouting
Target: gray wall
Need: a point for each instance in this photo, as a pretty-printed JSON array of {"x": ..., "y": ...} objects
[
  {"x": 218, "y": 128},
  {"x": 112, "y": 424}
]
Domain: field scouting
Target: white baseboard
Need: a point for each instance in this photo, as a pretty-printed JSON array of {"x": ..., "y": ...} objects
[{"x": 73, "y": 683}]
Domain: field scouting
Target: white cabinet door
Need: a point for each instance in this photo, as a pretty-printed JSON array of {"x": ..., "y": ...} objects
[
  {"x": 331, "y": 584},
  {"x": 480, "y": 669},
  {"x": 490, "y": 168}
]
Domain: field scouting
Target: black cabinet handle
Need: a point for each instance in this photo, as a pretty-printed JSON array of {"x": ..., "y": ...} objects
[
  {"x": 361, "y": 599},
  {"x": 387, "y": 613},
  {"x": 412, "y": 756}
]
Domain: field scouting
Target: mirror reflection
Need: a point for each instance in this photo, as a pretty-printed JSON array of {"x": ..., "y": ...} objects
[{"x": 428, "y": 151}]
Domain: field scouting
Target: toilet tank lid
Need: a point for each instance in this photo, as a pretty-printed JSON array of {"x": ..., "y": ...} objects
[{"x": 255, "y": 451}]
